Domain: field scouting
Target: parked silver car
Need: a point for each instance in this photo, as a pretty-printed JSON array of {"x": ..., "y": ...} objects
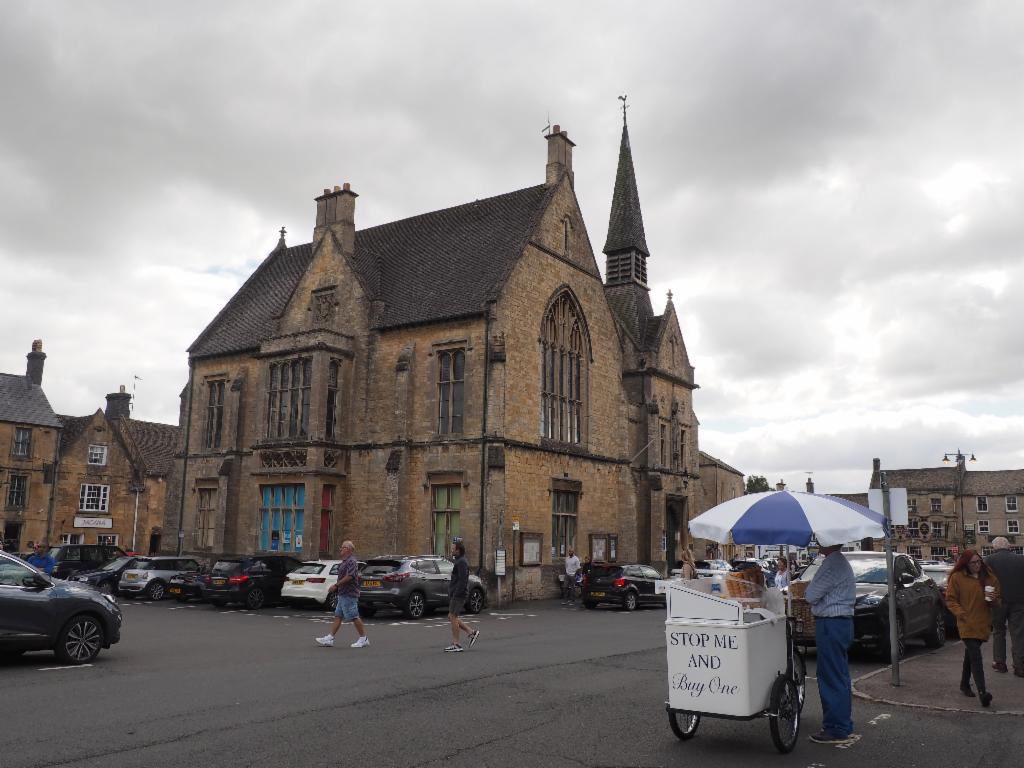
[
  {"x": 151, "y": 579},
  {"x": 414, "y": 584}
]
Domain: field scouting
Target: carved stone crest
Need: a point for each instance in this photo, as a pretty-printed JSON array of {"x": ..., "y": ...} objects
[{"x": 324, "y": 305}]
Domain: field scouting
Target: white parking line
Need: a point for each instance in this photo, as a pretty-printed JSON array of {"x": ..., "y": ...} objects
[{"x": 55, "y": 669}]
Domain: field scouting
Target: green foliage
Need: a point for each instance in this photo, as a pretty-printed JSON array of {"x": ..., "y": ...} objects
[{"x": 757, "y": 484}]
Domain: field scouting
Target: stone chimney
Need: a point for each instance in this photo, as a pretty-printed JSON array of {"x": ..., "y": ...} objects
[
  {"x": 118, "y": 404},
  {"x": 876, "y": 465},
  {"x": 810, "y": 485},
  {"x": 336, "y": 210},
  {"x": 780, "y": 486},
  {"x": 559, "y": 156},
  {"x": 36, "y": 358}
]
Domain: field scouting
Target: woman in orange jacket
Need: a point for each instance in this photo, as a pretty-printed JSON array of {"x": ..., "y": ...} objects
[{"x": 970, "y": 594}]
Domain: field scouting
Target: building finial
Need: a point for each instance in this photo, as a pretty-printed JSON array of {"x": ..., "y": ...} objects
[
  {"x": 280, "y": 242},
  {"x": 670, "y": 294},
  {"x": 625, "y": 106}
]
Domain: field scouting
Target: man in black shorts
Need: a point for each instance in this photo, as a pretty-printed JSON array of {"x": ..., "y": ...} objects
[{"x": 458, "y": 588}]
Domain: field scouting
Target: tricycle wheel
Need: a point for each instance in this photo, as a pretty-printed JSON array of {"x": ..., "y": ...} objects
[
  {"x": 683, "y": 724},
  {"x": 784, "y": 717},
  {"x": 800, "y": 677}
]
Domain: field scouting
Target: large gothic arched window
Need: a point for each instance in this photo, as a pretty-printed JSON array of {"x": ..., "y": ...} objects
[{"x": 564, "y": 364}]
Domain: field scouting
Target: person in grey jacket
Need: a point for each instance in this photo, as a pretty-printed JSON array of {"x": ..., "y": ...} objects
[
  {"x": 1008, "y": 616},
  {"x": 458, "y": 588}
]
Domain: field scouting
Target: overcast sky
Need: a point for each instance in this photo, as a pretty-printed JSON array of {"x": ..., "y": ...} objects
[{"x": 832, "y": 191}]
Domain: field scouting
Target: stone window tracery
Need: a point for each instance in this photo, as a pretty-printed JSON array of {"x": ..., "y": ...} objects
[{"x": 564, "y": 368}]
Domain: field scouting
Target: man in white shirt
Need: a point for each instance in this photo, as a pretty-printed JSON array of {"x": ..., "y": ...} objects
[{"x": 572, "y": 564}]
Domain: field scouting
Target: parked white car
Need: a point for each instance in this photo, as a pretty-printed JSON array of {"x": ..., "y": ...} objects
[
  {"x": 708, "y": 568},
  {"x": 152, "y": 575},
  {"x": 311, "y": 583}
]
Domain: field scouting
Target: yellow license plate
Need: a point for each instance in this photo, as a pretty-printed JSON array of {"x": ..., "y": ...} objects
[
  {"x": 373, "y": 583},
  {"x": 175, "y": 590},
  {"x": 220, "y": 581},
  {"x": 298, "y": 581},
  {"x": 597, "y": 594}
]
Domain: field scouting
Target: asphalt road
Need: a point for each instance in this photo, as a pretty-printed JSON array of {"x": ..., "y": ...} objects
[{"x": 545, "y": 686}]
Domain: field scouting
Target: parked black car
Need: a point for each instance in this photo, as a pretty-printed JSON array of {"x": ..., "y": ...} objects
[
  {"x": 414, "y": 584},
  {"x": 106, "y": 577},
  {"x": 919, "y": 610},
  {"x": 627, "y": 585},
  {"x": 254, "y": 581},
  {"x": 38, "y": 613},
  {"x": 72, "y": 558},
  {"x": 940, "y": 575},
  {"x": 187, "y": 586}
]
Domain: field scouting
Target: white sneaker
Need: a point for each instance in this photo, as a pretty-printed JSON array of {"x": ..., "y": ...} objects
[
  {"x": 362, "y": 642},
  {"x": 327, "y": 641}
]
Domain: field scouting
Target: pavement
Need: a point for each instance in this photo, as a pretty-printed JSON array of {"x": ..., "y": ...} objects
[{"x": 932, "y": 681}]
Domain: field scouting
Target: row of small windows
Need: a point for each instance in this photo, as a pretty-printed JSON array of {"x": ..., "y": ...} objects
[
  {"x": 935, "y": 504},
  {"x": 92, "y": 497}
]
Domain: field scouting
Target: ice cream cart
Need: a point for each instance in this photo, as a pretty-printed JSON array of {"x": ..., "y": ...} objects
[{"x": 729, "y": 660}]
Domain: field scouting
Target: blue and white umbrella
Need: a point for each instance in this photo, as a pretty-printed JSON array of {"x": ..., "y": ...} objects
[{"x": 787, "y": 517}]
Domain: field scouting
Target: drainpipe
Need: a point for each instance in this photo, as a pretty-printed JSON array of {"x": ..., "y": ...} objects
[
  {"x": 53, "y": 487},
  {"x": 483, "y": 432},
  {"x": 184, "y": 462},
  {"x": 135, "y": 523}
]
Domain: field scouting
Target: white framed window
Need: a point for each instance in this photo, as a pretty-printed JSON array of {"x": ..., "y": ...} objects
[
  {"x": 986, "y": 551},
  {"x": 1011, "y": 503},
  {"x": 72, "y": 538},
  {"x": 1013, "y": 526},
  {"x": 983, "y": 526},
  {"x": 98, "y": 454},
  {"x": 936, "y": 505},
  {"x": 912, "y": 507},
  {"x": 983, "y": 503},
  {"x": 938, "y": 551},
  {"x": 914, "y": 551},
  {"x": 108, "y": 538},
  {"x": 94, "y": 498}
]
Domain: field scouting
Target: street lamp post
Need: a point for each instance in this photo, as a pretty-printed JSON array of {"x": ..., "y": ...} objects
[{"x": 961, "y": 467}]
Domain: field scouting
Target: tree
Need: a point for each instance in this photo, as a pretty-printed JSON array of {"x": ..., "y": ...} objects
[{"x": 757, "y": 484}]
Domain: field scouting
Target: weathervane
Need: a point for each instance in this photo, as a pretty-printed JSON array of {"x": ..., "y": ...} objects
[
  {"x": 625, "y": 106},
  {"x": 547, "y": 128}
]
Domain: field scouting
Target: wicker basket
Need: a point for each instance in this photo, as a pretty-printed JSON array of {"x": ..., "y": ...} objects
[{"x": 800, "y": 610}]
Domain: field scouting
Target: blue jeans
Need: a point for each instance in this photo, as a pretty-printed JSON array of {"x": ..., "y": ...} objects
[{"x": 833, "y": 637}]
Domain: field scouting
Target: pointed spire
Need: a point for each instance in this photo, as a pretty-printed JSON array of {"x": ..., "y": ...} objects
[
  {"x": 280, "y": 241},
  {"x": 625, "y": 223}
]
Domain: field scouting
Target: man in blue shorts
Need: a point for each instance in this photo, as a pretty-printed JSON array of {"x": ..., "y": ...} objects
[{"x": 348, "y": 599}]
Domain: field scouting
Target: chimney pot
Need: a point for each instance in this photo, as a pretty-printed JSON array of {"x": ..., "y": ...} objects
[
  {"x": 337, "y": 188},
  {"x": 558, "y": 129},
  {"x": 876, "y": 464},
  {"x": 118, "y": 404},
  {"x": 327, "y": 191},
  {"x": 347, "y": 187}
]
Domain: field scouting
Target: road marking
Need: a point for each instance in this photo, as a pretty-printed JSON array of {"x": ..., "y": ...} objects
[
  {"x": 55, "y": 669},
  {"x": 493, "y": 613},
  {"x": 854, "y": 738},
  {"x": 878, "y": 719}
]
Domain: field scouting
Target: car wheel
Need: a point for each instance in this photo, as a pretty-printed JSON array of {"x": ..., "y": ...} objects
[
  {"x": 591, "y": 604},
  {"x": 254, "y": 599},
  {"x": 156, "y": 590},
  {"x": 415, "y": 605},
  {"x": 80, "y": 641},
  {"x": 331, "y": 603},
  {"x": 901, "y": 641},
  {"x": 629, "y": 601},
  {"x": 367, "y": 611},
  {"x": 475, "y": 603},
  {"x": 935, "y": 637},
  {"x": 107, "y": 588}
]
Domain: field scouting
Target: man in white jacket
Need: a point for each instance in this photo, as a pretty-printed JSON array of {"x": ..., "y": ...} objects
[{"x": 572, "y": 564}]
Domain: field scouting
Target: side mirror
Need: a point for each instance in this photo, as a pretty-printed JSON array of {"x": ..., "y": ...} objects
[
  {"x": 906, "y": 579},
  {"x": 35, "y": 581}
]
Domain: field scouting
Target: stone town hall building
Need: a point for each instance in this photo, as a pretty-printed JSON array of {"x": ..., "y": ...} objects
[{"x": 464, "y": 372}]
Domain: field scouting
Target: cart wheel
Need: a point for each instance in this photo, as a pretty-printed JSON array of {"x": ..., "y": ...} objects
[
  {"x": 784, "y": 717},
  {"x": 683, "y": 724},
  {"x": 800, "y": 677}
]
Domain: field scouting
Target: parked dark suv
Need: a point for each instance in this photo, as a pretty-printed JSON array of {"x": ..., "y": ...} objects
[
  {"x": 105, "y": 577},
  {"x": 626, "y": 585},
  {"x": 414, "y": 584},
  {"x": 254, "y": 580},
  {"x": 72, "y": 558},
  {"x": 38, "y": 613},
  {"x": 919, "y": 609}
]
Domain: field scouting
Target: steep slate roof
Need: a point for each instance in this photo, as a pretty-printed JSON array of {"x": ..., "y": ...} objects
[
  {"x": 430, "y": 267},
  {"x": 23, "y": 402},
  {"x": 156, "y": 442},
  {"x": 1000, "y": 482},
  {"x": 625, "y": 222},
  {"x": 937, "y": 479},
  {"x": 631, "y": 305},
  {"x": 651, "y": 330}
]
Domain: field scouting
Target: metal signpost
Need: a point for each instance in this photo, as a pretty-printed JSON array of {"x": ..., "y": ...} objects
[{"x": 894, "y": 648}]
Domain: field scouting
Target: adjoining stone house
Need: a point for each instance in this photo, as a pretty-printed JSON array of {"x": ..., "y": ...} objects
[
  {"x": 719, "y": 483},
  {"x": 29, "y": 437},
  {"x": 465, "y": 372},
  {"x": 112, "y": 478},
  {"x": 949, "y": 508}
]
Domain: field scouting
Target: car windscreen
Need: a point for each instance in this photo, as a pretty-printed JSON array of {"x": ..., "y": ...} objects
[
  {"x": 227, "y": 567},
  {"x": 142, "y": 564},
  {"x": 866, "y": 570},
  {"x": 600, "y": 571},
  {"x": 113, "y": 565},
  {"x": 310, "y": 568},
  {"x": 939, "y": 575},
  {"x": 380, "y": 567}
]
